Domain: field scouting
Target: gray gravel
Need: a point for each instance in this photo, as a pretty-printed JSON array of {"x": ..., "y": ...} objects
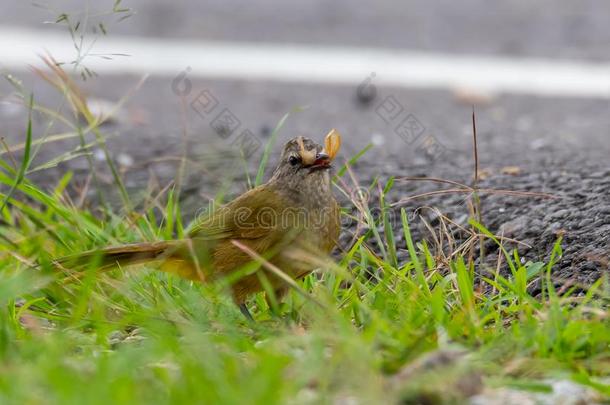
[{"x": 579, "y": 213}]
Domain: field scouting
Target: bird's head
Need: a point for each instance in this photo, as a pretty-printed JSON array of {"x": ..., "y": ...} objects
[{"x": 305, "y": 165}]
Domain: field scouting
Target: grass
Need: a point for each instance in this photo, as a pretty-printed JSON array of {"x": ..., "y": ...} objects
[
  {"x": 141, "y": 336},
  {"x": 368, "y": 327}
]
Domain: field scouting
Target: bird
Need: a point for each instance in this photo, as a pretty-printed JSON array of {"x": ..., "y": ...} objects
[{"x": 291, "y": 217}]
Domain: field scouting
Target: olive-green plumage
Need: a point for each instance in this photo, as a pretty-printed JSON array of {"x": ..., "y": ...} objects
[{"x": 290, "y": 218}]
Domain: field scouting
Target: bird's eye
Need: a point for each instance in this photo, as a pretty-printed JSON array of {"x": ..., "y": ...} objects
[{"x": 293, "y": 160}]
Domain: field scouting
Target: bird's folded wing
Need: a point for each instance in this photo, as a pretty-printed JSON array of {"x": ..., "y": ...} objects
[{"x": 255, "y": 214}]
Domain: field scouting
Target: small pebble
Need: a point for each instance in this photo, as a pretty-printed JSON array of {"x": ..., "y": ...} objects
[
  {"x": 377, "y": 139},
  {"x": 124, "y": 159}
]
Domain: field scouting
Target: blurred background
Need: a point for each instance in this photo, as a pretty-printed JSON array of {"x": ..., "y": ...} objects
[{"x": 402, "y": 76}]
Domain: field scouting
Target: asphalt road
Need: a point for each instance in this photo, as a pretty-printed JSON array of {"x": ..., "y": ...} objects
[{"x": 553, "y": 28}]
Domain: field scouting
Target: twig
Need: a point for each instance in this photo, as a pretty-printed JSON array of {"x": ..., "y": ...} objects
[
  {"x": 9, "y": 152},
  {"x": 275, "y": 270},
  {"x": 476, "y": 150},
  {"x": 432, "y": 179}
]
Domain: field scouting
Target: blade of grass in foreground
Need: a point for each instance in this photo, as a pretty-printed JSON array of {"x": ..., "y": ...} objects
[
  {"x": 268, "y": 148},
  {"x": 353, "y": 160},
  {"x": 419, "y": 270},
  {"x": 387, "y": 226},
  {"x": 25, "y": 162}
]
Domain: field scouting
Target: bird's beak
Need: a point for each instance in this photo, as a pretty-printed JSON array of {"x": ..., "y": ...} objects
[{"x": 322, "y": 160}]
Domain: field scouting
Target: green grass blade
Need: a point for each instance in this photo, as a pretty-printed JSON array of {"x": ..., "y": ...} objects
[
  {"x": 25, "y": 162},
  {"x": 269, "y": 148}
]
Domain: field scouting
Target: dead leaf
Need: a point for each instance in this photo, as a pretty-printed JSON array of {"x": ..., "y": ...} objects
[
  {"x": 484, "y": 173},
  {"x": 473, "y": 96},
  {"x": 511, "y": 170}
]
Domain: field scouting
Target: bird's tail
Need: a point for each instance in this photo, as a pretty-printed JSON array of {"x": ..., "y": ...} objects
[{"x": 171, "y": 257}]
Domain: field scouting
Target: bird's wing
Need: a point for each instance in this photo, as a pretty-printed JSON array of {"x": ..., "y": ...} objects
[
  {"x": 253, "y": 215},
  {"x": 334, "y": 227},
  {"x": 252, "y": 219}
]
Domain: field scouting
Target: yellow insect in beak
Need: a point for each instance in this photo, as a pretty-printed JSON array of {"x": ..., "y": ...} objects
[{"x": 332, "y": 143}]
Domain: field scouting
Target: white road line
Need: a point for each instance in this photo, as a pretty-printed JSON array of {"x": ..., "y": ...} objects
[{"x": 315, "y": 64}]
